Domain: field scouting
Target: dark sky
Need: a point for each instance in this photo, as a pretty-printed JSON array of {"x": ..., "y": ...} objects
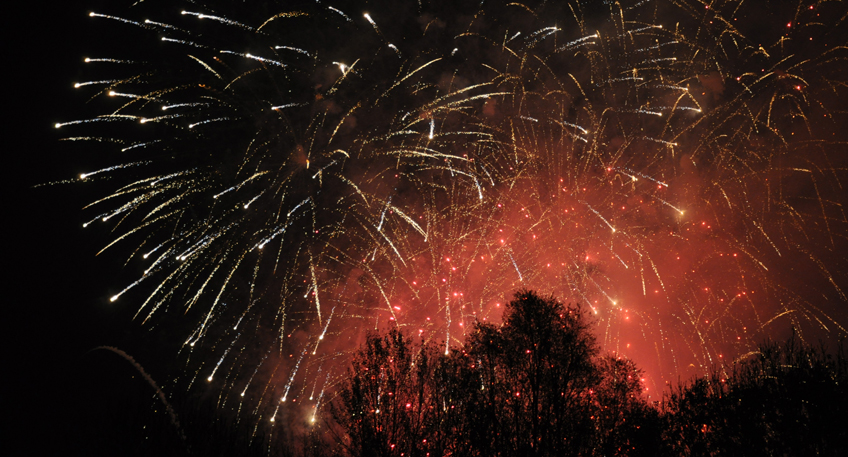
[{"x": 59, "y": 399}]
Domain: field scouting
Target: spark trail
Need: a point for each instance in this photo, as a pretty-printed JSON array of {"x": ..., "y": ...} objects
[{"x": 414, "y": 172}]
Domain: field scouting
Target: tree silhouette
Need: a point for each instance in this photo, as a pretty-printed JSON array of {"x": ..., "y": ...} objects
[
  {"x": 386, "y": 404},
  {"x": 538, "y": 370},
  {"x": 625, "y": 424},
  {"x": 537, "y": 385},
  {"x": 790, "y": 399},
  {"x": 532, "y": 386}
]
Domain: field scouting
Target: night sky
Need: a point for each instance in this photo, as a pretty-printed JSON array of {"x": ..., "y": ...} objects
[
  {"x": 61, "y": 399},
  {"x": 68, "y": 397}
]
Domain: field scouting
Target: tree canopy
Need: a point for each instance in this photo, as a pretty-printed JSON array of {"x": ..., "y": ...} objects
[
  {"x": 535, "y": 385},
  {"x": 539, "y": 385}
]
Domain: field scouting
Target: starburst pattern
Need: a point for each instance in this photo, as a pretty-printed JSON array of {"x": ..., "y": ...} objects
[{"x": 293, "y": 175}]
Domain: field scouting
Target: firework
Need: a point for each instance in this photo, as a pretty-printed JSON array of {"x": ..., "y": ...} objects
[{"x": 293, "y": 177}]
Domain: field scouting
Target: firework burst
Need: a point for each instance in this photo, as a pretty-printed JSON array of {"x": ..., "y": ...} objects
[{"x": 292, "y": 176}]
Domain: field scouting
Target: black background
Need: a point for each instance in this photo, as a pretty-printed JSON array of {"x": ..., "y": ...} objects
[{"x": 62, "y": 396}]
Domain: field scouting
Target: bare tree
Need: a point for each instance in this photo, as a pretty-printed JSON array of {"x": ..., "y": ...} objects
[{"x": 531, "y": 386}]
